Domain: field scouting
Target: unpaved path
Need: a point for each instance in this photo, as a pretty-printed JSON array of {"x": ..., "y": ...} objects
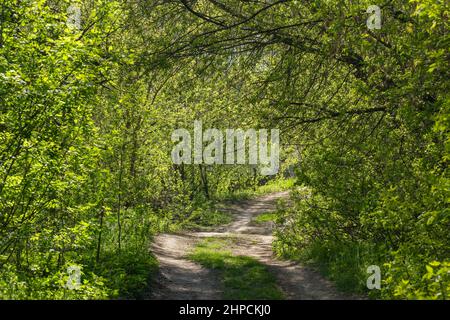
[{"x": 180, "y": 278}]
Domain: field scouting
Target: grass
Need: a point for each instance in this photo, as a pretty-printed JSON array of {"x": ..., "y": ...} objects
[
  {"x": 128, "y": 273},
  {"x": 266, "y": 217},
  {"x": 344, "y": 264},
  {"x": 243, "y": 278},
  {"x": 272, "y": 186},
  {"x": 205, "y": 218}
]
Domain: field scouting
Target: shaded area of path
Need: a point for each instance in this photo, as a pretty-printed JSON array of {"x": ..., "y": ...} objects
[{"x": 180, "y": 278}]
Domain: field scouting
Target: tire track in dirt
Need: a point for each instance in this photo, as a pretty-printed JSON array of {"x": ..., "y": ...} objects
[{"x": 181, "y": 279}]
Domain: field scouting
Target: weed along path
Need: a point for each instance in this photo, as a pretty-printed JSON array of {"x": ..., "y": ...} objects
[{"x": 235, "y": 261}]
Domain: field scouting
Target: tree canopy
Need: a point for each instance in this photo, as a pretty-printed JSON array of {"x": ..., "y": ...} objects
[{"x": 87, "y": 112}]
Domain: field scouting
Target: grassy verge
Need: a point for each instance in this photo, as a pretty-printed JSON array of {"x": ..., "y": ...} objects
[
  {"x": 128, "y": 273},
  {"x": 265, "y": 217},
  {"x": 206, "y": 217},
  {"x": 128, "y": 269},
  {"x": 344, "y": 264},
  {"x": 243, "y": 277},
  {"x": 272, "y": 186}
]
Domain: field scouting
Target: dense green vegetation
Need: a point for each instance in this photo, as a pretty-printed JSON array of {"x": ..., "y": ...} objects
[
  {"x": 242, "y": 277},
  {"x": 87, "y": 113}
]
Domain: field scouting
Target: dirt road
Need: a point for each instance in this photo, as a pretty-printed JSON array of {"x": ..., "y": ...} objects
[{"x": 180, "y": 278}]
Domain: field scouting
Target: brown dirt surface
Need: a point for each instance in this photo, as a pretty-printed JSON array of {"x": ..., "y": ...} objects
[{"x": 181, "y": 279}]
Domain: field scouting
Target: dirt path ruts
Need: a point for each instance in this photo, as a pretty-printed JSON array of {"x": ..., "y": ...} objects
[{"x": 181, "y": 279}]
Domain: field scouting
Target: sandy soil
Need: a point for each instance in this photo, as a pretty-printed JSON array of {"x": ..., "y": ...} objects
[{"x": 181, "y": 279}]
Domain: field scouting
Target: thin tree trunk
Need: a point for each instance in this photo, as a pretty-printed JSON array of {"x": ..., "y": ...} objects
[
  {"x": 99, "y": 243},
  {"x": 119, "y": 223},
  {"x": 204, "y": 176}
]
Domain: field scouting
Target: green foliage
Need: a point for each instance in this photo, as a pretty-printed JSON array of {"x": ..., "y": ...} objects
[
  {"x": 376, "y": 185},
  {"x": 86, "y": 117},
  {"x": 16, "y": 286},
  {"x": 129, "y": 272}
]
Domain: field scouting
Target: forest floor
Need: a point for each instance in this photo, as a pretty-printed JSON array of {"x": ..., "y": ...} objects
[{"x": 181, "y": 278}]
